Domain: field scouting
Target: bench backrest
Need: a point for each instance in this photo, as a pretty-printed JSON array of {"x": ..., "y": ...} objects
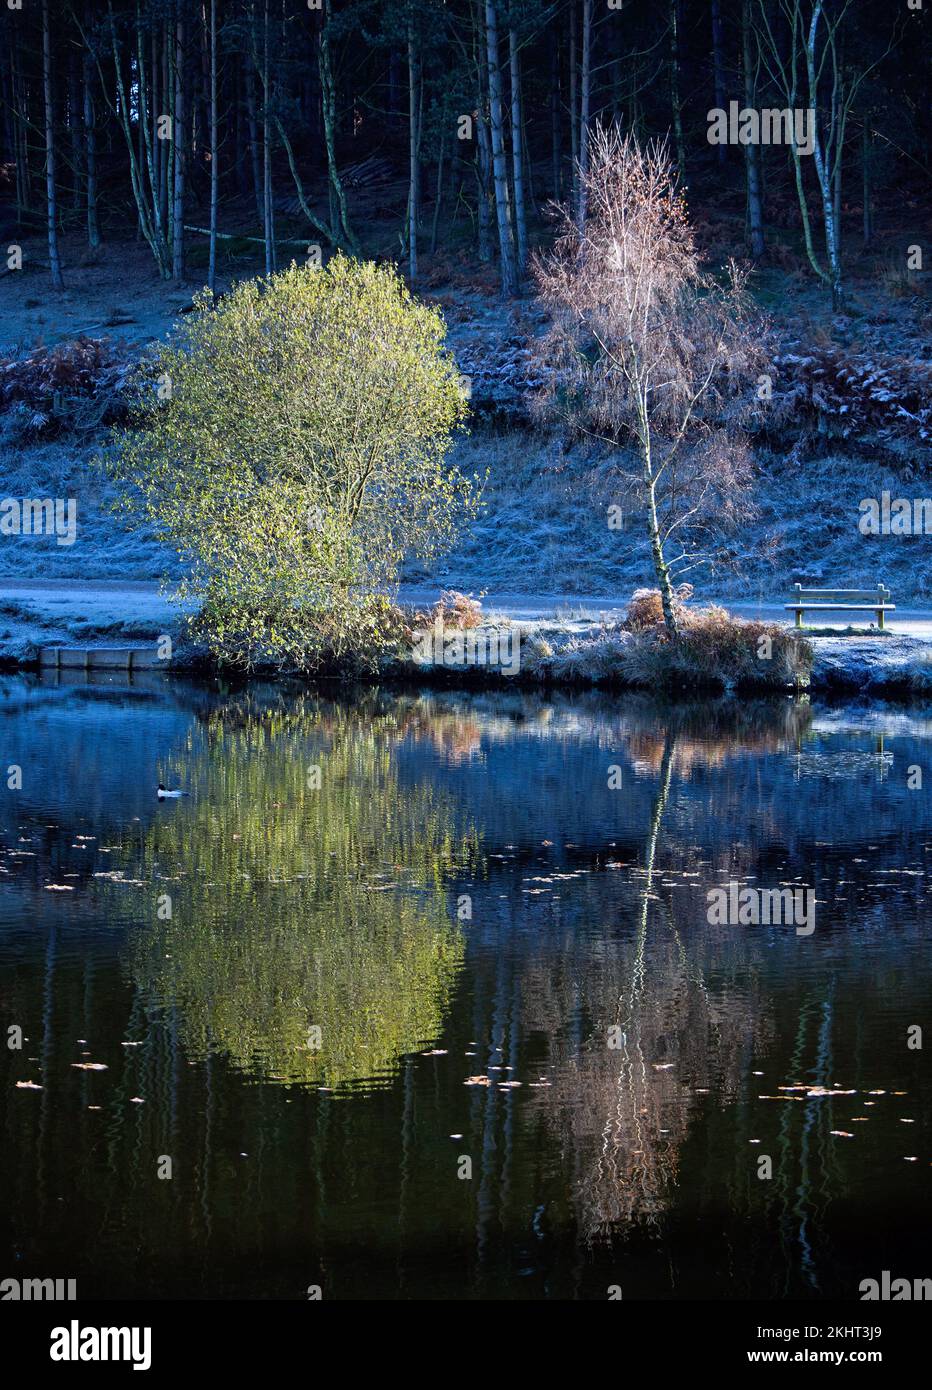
[{"x": 874, "y": 597}]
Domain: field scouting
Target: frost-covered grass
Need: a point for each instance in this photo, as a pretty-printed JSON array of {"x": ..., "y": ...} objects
[
  {"x": 104, "y": 549},
  {"x": 544, "y": 526}
]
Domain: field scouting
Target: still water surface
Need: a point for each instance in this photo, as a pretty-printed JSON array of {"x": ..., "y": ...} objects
[{"x": 448, "y": 888}]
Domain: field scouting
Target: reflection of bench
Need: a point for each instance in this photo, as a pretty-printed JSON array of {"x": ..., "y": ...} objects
[{"x": 841, "y": 601}]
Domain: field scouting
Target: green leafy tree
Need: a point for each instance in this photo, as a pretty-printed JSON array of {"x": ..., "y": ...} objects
[{"x": 291, "y": 443}]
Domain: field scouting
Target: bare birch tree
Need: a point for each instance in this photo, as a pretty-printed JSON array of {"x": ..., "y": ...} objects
[{"x": 651, "y": 350}]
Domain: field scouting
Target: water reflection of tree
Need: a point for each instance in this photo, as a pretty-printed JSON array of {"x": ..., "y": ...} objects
[
  {"x": 688, "y": 1003},
  {"x": 297, "y": 906},
  {"x": 677, "y": 1033}
]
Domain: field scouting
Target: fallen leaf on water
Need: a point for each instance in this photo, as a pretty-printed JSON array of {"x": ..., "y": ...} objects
[
  {"x": 478, "y": 1081},
  {"x": 435, "y": 1052},
  {"x": 27, "y": 1086},
  {"x": 136, "y": 1100},
  {"x": 59, "y": 888},
  {"x": 90, "y": 1066},
  {"x": 842, "y": 1133}
]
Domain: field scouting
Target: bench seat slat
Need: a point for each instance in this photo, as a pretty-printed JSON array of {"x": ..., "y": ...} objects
[{"x": 842, "y": 607}]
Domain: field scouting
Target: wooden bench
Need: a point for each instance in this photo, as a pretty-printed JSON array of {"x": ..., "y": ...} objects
[{"x": 842, "y": 601}]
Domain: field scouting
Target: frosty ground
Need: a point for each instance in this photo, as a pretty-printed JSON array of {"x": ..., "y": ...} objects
[{"x": 541, "y": 549}]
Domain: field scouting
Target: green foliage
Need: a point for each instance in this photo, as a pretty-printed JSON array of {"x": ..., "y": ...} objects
[
  {"x": 292, "y": 449},
  {"x": 322, "y": 905}
]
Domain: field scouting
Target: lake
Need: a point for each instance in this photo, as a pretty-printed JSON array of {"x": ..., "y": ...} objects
[{"x": 421, "y": 995}]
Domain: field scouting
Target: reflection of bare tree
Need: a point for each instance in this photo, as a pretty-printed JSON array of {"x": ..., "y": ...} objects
[{"x": 628, "y": 1105}]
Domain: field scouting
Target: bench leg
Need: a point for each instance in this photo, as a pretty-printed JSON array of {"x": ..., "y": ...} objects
[
  {"x": 799, "y": 617},
  {"x": 880, "y": 617}
]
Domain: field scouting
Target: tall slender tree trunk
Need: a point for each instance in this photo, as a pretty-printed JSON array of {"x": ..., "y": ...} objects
[
  {"x": 90, "y": 144},
  {"x": 556, "y": 153},
  {"x": 165, "y": 146},
  {"x": 574, "y": 103},
  {"x": 178, "y": 146},
  {"x": 483, "y": 179},
  {"x": 414, "y": 140},
  {"x": 58, "y": 280},
  {"x": 76, "y": 132},
  {"x": 509, "y": 270},
  {"x": 718, "y": 67},
  {"x": 253, "y": 126},
  {"x": 752, "y": 159},
  {"x": 823, "y": 173},
  {"x": 585, "y": 106},
  {"x": 517, "y": 151},
  {"x": 868, "y": 210},
  {"x": 23, "y": 177},
  {"x": 339, "y": 210},
  {"x": 267, "y": 150},
  {"x": 214, "y": 160},
  {"x": 675, "y": 100},
  {"x": 439, "y": 198}
]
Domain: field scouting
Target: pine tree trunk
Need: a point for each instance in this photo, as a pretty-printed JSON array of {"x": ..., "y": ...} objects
[
  {"x": 339, "y": 211},
  {"x": 718, "y": 67},
  {"x": 51, "y": 207},
  {"x": 76, "y": 133},
  {"x": 585, "y": 106},
  {"x": 414, "y": 173},
  {"x": 254, "y": 143},
  {"x": 214, "y": 165},
  {"x": 868, "y": 211},
  {"x": 574, "y": 105},
  {"x": 752, "y": 160},
  {"x": 509, "y": 270},
  {"x": 483, "y": 179},
  {"x": 23, "y": 181},
  {"x": 178, "y": 147},
  {"x": 556, "y": 154},
  {"x": 517, "y": 151},
  {"x": 269, "y": 213},
  {"x": 439, "y": 198},
  {"x": 675, "y": 102},
  {"x": 165, "y": 146},
  {"x": 90, "y": 146}
]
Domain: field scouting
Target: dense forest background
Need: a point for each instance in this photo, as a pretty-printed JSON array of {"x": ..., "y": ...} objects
[{"x": 405, "y": 128}]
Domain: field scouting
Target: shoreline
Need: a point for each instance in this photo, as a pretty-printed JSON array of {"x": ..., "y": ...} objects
[{"x": 897, "y": 667}]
